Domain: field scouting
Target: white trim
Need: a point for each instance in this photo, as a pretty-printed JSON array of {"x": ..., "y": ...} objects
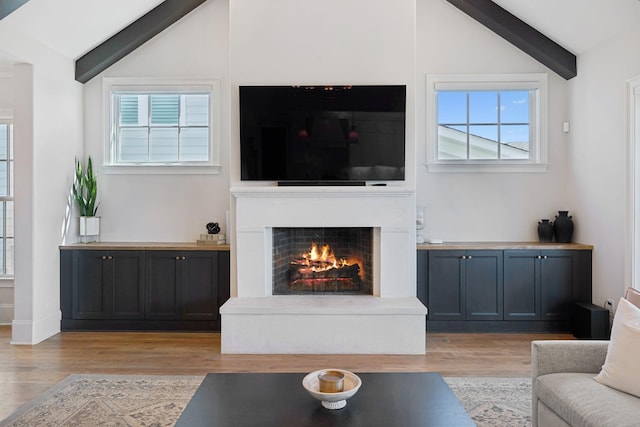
[
  {"x": 471, "y": 166},
  {"x": 632, "y": 264},
  {"x": 147, "y": 169},
  {"x": 539, "y": 147},
  {"x": 211, "y": 167}
]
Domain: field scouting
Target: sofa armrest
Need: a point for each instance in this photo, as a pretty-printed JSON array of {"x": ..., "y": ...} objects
[
  {"x": 567, "y": 356},
  {"x": 555, "y": 356}
]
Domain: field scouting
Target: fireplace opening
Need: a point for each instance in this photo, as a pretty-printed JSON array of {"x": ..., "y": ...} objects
[{"x": 323, "y": 260}]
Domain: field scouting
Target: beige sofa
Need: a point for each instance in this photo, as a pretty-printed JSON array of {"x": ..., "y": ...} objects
[{"x": 565, "y": 393}]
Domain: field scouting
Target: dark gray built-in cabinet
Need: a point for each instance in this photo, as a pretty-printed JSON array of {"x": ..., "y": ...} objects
[
  {"x": 517, "y": 288},
  {"x": 155, "y": 288}
]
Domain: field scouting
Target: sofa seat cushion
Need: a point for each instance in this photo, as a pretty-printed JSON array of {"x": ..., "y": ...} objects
[{"x": 581, "y": 401}]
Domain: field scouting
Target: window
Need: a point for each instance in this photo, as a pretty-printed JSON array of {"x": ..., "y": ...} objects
[
  {"x": 6, "y": 199},
  {"x": 486, "y": 123},
  {"x": 171, "y": 126}
]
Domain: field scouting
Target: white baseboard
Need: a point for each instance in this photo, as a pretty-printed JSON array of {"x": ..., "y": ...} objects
[
  {"x": 31, "y": 332},
  {"x": 6, "y": 314}
]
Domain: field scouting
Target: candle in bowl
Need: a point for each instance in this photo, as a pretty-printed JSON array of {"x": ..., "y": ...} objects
[{"x": 331, "y": 381}]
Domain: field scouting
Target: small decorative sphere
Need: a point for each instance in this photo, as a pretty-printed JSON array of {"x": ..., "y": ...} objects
[{"x": 213, "y": 228}]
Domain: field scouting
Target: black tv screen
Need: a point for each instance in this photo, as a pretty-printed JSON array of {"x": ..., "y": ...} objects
[{"x": 322, "y": 134}]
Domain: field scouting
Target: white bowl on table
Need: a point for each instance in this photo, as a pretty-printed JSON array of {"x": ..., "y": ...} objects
[{"x": 337, "y": 400}]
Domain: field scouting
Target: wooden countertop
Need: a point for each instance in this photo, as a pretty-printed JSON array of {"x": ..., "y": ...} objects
[
  {"x": 145, "y": 246},
  {"x": 193, "y": 246},
  {"x": 502, "y": 246}
]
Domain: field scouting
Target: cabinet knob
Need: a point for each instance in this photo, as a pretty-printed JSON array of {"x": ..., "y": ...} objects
[
  {"x": 463, "y": 257},
  {"x": 184, "y": 257},
  {"x": 104, "y": 257},
  {"x": 177, "y": 258},
  {"x": 469, "y": 257},
  {"x": 109, "y": 257},
  {"x": 544, "y": 257}
]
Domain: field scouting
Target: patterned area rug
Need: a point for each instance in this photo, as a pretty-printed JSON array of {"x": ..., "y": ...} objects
[
  {"x": 115, "y": 400},
  {"x": 496, "y": 402}
]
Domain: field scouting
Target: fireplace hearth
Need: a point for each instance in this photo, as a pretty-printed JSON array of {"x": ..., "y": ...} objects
[
  {"x": 335, "y": 260},
  {"x": 258, "y": 320}
]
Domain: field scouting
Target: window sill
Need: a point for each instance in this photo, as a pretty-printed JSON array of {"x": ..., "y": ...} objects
[
  {"x": 160, "y": 170},
  {"x": 484, "y": 167}
]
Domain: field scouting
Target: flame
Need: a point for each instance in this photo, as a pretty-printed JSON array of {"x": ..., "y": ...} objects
[{"x": 324, "y": 259}]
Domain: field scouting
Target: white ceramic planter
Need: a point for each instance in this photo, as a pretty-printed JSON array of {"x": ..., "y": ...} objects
[{"x": 89, "y": 229}]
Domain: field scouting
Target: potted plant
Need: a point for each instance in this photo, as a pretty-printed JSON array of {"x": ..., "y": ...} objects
[{"x": 85, "y": 192}]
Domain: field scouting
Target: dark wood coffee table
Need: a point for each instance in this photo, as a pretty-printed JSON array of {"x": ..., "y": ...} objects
[{"x": 266, "y": 400}]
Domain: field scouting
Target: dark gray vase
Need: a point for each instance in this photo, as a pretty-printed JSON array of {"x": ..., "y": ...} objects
[
  {"x": 545, "y": 231},
  {"x": 563, "y": 227}
]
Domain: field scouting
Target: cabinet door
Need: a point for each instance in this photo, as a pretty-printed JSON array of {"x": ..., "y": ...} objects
[
  {"x": 446, "y": 295},
  {"x": 483, "y": 285},
  {"x": 199, "y": 280},
  {"x": 521, "y": 285},
  {"x": 126, "y": 284},
  {"x": 557, "y": 276},
  {"x": 108, "y": 284},
  {"x": 162, "y": 300},
  {"x": 89, "y": 283}
]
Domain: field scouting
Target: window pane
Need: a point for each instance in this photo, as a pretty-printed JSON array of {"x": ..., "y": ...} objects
[
  {"x": 452, "y": 107},
  {"x": 195, "y": 110},
  {"x": 483, "y": 142},
  {"x": 130, "y": 111},
  {"x": 163, "y": 145},
  {"x": 9, "y": 220},
  {"x": 4, "y": 185},
  {"x": 515, "y": 140},
  {"x": 194, "y": 144},
  {"x": 165, "y": 109},
  {"x": 483, "y": 107},
  {"x": 4, "y": 139},
  {"x": 134, "y": 145},
  {"x": 452, "y": 142},
  {"x": 514, "y": 106},
  {"x": 9, "y": 257}
]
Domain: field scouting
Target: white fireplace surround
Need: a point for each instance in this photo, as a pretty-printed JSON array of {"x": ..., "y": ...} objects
[{"x": 392, "y": 321}]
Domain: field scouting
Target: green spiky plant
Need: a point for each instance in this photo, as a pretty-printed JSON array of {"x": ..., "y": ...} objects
[{"x": 85, "y": 189}]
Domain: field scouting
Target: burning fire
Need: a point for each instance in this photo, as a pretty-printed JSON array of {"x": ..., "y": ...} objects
[
  {"x": 320, "y": 268},
  {"x": 322, "y": 260}
]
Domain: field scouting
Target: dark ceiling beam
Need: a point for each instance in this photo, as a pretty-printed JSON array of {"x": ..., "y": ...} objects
[
  {"x": 8, "y": 6},
  {"x": 130, "y": 38},
  {"x": 521, "y": 35}
]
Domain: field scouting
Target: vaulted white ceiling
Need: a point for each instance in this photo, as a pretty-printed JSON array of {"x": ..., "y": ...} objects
[
  {"x": 73, "y": 27},
  {"x": 577, "y": 25}
]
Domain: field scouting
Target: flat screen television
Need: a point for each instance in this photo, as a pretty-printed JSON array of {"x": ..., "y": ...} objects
[{"x": 322, "y": 135}]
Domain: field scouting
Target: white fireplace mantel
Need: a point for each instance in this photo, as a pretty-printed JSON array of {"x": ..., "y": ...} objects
[{"x": 253, "y": 320}]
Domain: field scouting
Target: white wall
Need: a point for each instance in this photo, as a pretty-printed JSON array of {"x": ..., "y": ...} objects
[
  {"x": 322, "y": 42},
  {"x": 484, "y": 206},
  {"x": 598, "y": 159},
  {"x": 152, "y": 208},
  {"x": 47, "y": 135}
]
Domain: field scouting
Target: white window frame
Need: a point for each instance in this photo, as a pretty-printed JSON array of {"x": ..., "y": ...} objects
[
  {"x": 4, "y": 275},
  {"x": 538, "y": 159},
  {"x": 124, "y": 84}
]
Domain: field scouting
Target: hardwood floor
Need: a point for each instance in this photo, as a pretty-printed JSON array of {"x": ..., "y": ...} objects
[{"x": 27, "y": 371}]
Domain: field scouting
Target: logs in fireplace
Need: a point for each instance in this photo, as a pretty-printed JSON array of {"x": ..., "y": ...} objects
[
  {"x": 322, "y": 271},
  {"x": 339, "y": 264}
]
